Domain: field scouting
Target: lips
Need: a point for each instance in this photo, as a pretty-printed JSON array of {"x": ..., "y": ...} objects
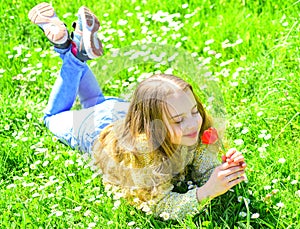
[{"x": 192, "y": 135}]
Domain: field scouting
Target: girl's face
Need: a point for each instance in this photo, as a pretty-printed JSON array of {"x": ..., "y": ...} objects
[{"x": 185, "y": 120}]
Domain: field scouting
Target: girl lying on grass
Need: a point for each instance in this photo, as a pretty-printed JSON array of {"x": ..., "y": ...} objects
[{"x": 147, "y": 148}]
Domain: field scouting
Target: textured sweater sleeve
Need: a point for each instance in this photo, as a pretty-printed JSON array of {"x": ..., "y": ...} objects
[
  {"x": 204, "y": 163},
  {"x": 176, "y": 205}
]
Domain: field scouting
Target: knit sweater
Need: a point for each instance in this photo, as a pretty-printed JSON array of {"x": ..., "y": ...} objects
[{"x": 165, "y": 187}]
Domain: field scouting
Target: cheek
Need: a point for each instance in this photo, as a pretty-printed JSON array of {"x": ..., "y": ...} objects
[
  {"x": 199, "y": 121},
  {"x": 176, "y": 134}
]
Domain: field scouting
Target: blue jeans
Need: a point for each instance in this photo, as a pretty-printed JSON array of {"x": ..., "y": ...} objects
[{"x": 79, "y": 128}]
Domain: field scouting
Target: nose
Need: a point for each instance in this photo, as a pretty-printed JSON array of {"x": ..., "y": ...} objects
[{"x": 190, "y": 124}]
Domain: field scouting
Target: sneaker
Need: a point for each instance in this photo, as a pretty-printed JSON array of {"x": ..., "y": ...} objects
[
  {"x": 55, "y": 30},
  {"x": 88, "y": 45}
]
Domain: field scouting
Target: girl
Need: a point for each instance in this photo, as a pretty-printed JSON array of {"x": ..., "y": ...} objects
[{"x": 146, "y": 149}]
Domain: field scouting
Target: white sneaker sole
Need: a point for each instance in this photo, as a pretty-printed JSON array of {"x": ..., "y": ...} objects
[
  {"x": 44, "y": 16},
  {"x": 90, "y": 27}
]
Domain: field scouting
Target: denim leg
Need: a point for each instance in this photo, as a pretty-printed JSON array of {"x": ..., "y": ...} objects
[
  {"x": 89, "y": 91},
  {"x": 75, "y": 78},
  {"x": 65, "y": 88}
]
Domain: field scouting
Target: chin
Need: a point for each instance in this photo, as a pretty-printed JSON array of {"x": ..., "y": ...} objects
[{"x": 189, "y": 143}]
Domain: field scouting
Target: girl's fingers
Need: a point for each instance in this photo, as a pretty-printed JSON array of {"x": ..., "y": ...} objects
[
  {"x": 243, "y": 164},
  {"x": 228, "y": 169},
  {"x": 236, "y": 181},
  {"x": 234, "y": 156},
  {"x": 239, "y": 158},
  {"x": 229, "y": 164},
  {"x": 234, "y": 176},
  {"x": 230, "y": 152}
]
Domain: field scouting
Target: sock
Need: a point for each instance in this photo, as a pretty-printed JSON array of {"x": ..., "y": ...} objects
[{"x": 74, "y": 48}]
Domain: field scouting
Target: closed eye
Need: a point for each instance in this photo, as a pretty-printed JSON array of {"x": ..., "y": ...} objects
[
  {"x": 195, "y": 112},
  {"x": 178, "y": 121}
]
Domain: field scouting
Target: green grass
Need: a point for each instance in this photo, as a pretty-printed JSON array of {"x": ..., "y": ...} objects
[{"x": 44, "y": 184}]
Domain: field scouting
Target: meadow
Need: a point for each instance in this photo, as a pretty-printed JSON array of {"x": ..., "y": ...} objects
[{"x": 249, "y": 48}]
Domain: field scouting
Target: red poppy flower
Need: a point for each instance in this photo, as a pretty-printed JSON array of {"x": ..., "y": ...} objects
[{"x": 210, "y": 136}]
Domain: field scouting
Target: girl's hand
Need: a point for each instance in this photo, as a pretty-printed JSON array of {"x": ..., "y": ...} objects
[
  {"x": 222, "y": 179},
  {"x": 233, "y": 156}
]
